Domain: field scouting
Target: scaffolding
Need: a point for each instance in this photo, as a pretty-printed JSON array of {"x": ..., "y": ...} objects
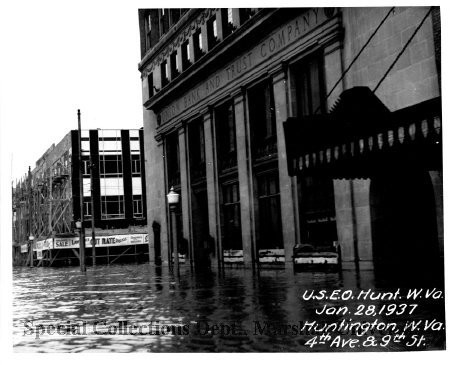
[{"x": 42, "y": 206}]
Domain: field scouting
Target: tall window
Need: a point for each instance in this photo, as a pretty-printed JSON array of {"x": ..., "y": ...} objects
[
  {"x": 262, "y": 120},
  {"x": 174, "y": 64},
  {"x": 185, "y": 55},
  {"x": 230, "y": 16},
  {"x": 148, "y": 32},
  {"x": 211, "y": 27},
  {"x": 174, "y": 16},
  {"x": 136, "y": 164},
  {"x": 111, "y": 165},
  {"x": 111, "y": 174},
  {"x": 309, "y": 86},
  {"x": 226, "y": 136},
  {"x": 316, "y": 192},
  {"x": 317, "y": 206},
  {"x": 113, "y": 207},
  {"x": 150, "y": 85},
  {"x": 87, "y": 207},
  {"x": 137, "y": 206},
  {"x": 198, "y": 44},
  {"x": 269, "y": 234},
  {"x": 164, "y": 73},
  {"x": 164, "y": 20},
  {"x": 173, "y": 160},
  {"x": 231, "y": 214},
  {"x": 197, "y": 150}
]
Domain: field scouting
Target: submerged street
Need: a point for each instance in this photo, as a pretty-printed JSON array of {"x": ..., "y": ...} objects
[{"x": 235, "y": 310}]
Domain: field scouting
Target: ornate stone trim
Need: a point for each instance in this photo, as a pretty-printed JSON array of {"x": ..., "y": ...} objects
[{"x": 178, "y": 40}]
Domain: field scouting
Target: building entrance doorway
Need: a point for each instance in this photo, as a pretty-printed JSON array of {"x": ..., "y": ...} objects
[
  {"x": 200, "y": 230},
  {"x": 404, "y": 228}
]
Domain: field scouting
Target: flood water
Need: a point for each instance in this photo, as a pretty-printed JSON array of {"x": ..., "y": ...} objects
[{"x": 237, "y": 302}]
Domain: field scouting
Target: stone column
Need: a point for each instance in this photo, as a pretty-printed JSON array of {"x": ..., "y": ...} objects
[
  {"x": 185, "y": 189},
  {"x": 245, "y": 181},
  {"x": 288, "y": 220},
  {"x": 211, "y": 184},
  {"x": 155, "y": 185}
]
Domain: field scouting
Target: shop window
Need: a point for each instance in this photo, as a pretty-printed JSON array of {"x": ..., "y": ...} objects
[
  {"x": 269, "y": 212},
  {"x": 164, "y": 73},
  {"x": 185, "y": 55},
  {"x": 262, "y": 121},
  {"x": 231, "y": 214},
  {"x": 318, "y": 216},
  {"x": 226, "y": 136}
]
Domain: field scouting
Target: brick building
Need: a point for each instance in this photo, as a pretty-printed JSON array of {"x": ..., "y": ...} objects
[
  {"x": 46, "y": 202},
  {"x": 359, "y": 168}
]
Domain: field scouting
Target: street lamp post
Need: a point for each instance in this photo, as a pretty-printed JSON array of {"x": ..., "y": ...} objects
[
  {"x": 81, "y": 190},
  {"x": 173, "y": 200},
  {"x": 31, "y": 239}
]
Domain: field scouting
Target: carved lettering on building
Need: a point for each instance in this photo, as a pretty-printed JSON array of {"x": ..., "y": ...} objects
[{"x": 276, "y": 42}]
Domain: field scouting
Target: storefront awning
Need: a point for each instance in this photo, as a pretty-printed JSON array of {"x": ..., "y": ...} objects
[{"x": 358, "y": 131}]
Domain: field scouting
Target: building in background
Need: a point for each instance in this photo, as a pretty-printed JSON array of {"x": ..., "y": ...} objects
[
  {"x": 46, "y": 202},
  {"x": 221, "y": 86}
]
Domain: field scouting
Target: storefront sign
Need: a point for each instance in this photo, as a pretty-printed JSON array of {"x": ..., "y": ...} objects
[
  {"x": 102, "y": 241},
  {"x": 277, "y": 41},
  {"x": 43, "y": 245}
]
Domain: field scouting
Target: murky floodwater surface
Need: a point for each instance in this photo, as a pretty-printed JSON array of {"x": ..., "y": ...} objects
[{"x": 125, "y": 308}]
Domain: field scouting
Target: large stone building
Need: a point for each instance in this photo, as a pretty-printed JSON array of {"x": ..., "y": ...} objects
[
  {"x": 46, "y": 202},
  {"x": 357, "y": 91}
]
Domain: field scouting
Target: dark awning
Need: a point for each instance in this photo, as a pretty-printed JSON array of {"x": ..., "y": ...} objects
[{"x": 358, "y": 128}]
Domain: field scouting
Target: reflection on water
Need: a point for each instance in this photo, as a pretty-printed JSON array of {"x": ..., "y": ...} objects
[{"x": 140, "y": 294}]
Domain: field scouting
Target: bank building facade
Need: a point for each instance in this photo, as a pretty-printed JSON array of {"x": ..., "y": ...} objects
[{"x": 284, "y": 127}]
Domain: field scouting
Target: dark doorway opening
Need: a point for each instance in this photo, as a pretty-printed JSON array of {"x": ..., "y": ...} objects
[
  {"x": 157, "y": 241},
  {"x": 200, "y": 228},
  {"x": 404, "y": 228}
]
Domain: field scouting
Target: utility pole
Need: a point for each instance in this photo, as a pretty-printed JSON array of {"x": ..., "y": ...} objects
[
  {"x": 30, "y": 217},
  {"x": 93, "y": 241},
  {"x": 80, "y": 175}
]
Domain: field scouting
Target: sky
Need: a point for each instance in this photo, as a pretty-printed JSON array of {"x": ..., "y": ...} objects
[{"x": 60, "y": 56}]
